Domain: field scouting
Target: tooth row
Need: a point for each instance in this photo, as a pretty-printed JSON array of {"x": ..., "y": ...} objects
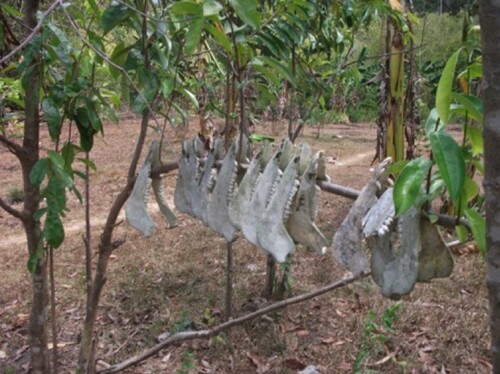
[
  {"x": 197, "y": 175},
  {"x": 254, "y": 187},
  {"x": 272, "y": 191},
  {"x": 146, "y": 191},
  {"x": 211, "y": 180},
  {"x": 288, "y": 204}
]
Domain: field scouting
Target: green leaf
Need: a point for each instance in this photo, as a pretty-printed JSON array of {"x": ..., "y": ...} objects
[
  {"x": 397, "y": 167},
  {"x": 55, "y": 194},
  {"x": 278, "y": 67},
  {"x": 53, "y": 229},
  {"x": 444, "y": 89},
  {"x": 94, "y": 119},
  {"x": 88, "y": 163},
  {"x": 52, "y": 116},
  {"x": 179, "y": 110},
  {"x": 190, "y": 96},
  {"x": 56, "y": 159},
  {"x": 39, "y": 171},
  {"x": 247, "y": 11},
  {"x": 182, "y": 8},
  {"x": 39, "y": 214},
  {"x": 167, "y": 86},
  {"x": 193, "y": 33},
  {"x": 461, "y": 232},
  {"x": 475, "y": 137},
  {"x": 471, "y": 189},
  {"x": 261, "y": 138},
  {"x": 194, "y": 19},
  {"x": 96, "y": 42},
  {"x": 433, "y": 218},
  {"x": 139, "y": 105},
  {"x": 113, "y": 16},
  {"x": 68, "y": 154},
  {"x": 267, "y": 72},
  {"x": 94, "y": 7},
  {"x": 407, "y": 187},
  {"x": 478, "y": 227},
  {"x": 12, "y": 11},
  {"x": 160, "y": 57},
  {"x": 220, "y": 37},
  {"x": 85, "y": 129},
  {"x": 119, "y": 56},
  {"x": 474, "y": 70},
  {"x": 211, "y": 8},
  {"x": 450, "y": 161},
  {"x": 472, "y": 105},
  {"x": 114, "y": 97}
]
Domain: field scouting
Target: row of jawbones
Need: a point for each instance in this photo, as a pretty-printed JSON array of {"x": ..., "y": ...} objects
[{"x": 273, "y": 203}]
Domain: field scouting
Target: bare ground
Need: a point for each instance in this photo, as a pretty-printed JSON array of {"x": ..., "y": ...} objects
[{"x": 175, "y": 280}]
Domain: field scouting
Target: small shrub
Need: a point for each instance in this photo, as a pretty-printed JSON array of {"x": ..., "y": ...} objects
[
  {"x": 15, "y": 195},
  {"x": 376, "y": 333}
]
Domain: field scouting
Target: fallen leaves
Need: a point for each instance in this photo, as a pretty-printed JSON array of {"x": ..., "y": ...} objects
[{"x": 294, "y": 364}]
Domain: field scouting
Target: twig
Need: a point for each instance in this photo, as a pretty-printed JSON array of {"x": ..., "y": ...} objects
[
  {"x": 13, "y": 147},
  {"x": 33, "y": 33},
  {"x": 203, "y": 334},
  {"x": 53, "y": 311},
  {"x": 229, "y": 282},
  {"x": 126, "y": 341},
  {"x": 9, "y": 209},
  {"x": 88, "y": 237}
]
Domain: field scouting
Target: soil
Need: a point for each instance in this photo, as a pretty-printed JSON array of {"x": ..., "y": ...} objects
[{"x": 175, "y": 280}]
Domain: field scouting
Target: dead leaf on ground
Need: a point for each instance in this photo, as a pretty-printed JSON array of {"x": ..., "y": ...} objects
[
  {"x": 302, "y": 333},
  {"x": 426, "y": 358},
  {"x": 59, "y": 345},
  {"x": 294, "y": 364},
  {"x": 345, "y": 366},
  {"x": 255, "y": 360},
  {"x": 20, "y": 320},
  {"x": 332, "y": 341}
]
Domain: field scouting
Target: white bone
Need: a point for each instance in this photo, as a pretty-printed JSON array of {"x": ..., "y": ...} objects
[{"x": 271, "y": 232}]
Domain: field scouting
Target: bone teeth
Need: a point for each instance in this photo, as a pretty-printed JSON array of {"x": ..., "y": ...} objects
[
  {"x": 211, "y": 180},
  {"x": 272, "y": 191},
  {"x": 288, "y": 204},
  {"x": 146, "y": 191},
  {"x": 197, "y": 175}
]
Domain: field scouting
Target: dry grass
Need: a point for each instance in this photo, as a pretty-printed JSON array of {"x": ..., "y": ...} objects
[{"x": 175, "y": 280}]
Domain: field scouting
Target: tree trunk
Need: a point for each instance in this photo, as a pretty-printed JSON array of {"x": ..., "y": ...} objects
[
  {"x": 38, "y": 319},
  {"x": 490, "y": 32}
]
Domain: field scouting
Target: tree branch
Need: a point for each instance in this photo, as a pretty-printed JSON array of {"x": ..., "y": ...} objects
[
  {"x": 15, "y": 148},
  {"x": 9, "y": 209},
  {"x": 33, "y": 33},
  {"x": 190, "y": 335}
]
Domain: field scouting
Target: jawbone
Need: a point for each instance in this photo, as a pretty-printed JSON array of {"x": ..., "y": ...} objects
[
  {"x": 217, "y": 209},
  {"x": 300, "y": 224},
  {"x": 347, "y": 241},
  {"x": 271, "y": 232}
]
